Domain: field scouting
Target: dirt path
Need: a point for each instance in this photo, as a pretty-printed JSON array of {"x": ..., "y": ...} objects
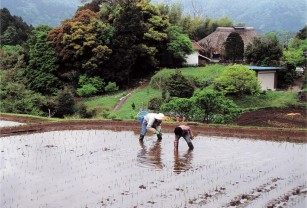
[{"x": 125, "y": 98}]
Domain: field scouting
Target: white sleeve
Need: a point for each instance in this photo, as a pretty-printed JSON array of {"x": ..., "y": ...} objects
[{"x": 151, "y": 120}]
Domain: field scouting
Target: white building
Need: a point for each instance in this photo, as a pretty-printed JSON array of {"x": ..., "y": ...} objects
[{"x": 267, "y": 76}]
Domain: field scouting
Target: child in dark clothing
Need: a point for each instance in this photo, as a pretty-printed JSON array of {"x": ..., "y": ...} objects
[{"x": 185, "y": 132}]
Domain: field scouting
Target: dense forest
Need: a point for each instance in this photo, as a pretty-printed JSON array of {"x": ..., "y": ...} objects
[{"x": 106, "y": 46}]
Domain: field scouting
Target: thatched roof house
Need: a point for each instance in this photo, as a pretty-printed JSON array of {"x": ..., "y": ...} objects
[{"x": 214, "y": 43}]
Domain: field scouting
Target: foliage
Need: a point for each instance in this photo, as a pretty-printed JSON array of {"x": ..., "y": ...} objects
[
  {"x": 206, "y": 105},
  {"x": 178, "y": 47},
  {"x": 90, "y": 86},
  {"x": 179, "y": 86},
  {"x": 13, "y": 29},
  {"x": 267, "y": 99},
  {"x": 111, "y": 87},
  {"x": 87, "y": 90},
  {"x": 302, "y": 34},
  {"x": 155, "y": 103},
  {"x": 264, "y": 51},
  {"x": 64, "y": 103},
  {"x": 294, "y": 55},
  {"x": 214, "y": 106},
  {"x": 238, "y": 80},
  {"x": 178, "y": 107},
  {"x": 199, "y": 76},
  {"x": 84, "y": 112},
  {"x": 140, "y": 33},
  {"x": 15, "y": 98},
  {"x": 13, "y": 58},
  {"x": 43, "y": 64},
  {"x": 234, "y": 47},
  {"x": 82, "y": 45}
]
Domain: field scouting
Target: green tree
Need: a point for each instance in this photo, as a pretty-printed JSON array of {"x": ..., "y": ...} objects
[
  {"x": 264, "y": 51},
  {"x": 15, "y": 98},
  {"x": 82, "y": 45},
  {"x": 179, "y": 86},
  {"x": 238, "y": 80},
  {"x": 178, "y": 47},
  {"x": 43, "y": 64},
  {"x": 13, "y": 30},
  {"x": 90, "y": 86},
  {"x": 213, "y": 106},
  {"x": 178, "y": 107},
  {"x": 13, "y": 59},
  {"x": 140, "y": 32},
  {"x": 64, "y": 103},
  {"x": 234, "y": 47}
]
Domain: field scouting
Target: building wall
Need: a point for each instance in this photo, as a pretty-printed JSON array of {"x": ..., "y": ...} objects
[
  {"x": 267, "y": 79},
  {"x": 192, "y": 59}
]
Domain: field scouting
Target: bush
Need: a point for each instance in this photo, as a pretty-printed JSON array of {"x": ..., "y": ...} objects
[
  {"x": 84, "y": 113},
  {"x": 90, "y": 86},
  {"x": 238, "y": 80},
  {"x": 65, "y": 103},
  {"x": 15, "y": 98},
  {"x": 155, "y": 103},
  {"x": 111, "y": 87},
  {"x": 86, "y": 90},
  {"x": 179, "y": 86}
]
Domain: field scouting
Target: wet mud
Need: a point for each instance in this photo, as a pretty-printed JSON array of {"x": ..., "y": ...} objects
[{"x": 108, "y": 168}]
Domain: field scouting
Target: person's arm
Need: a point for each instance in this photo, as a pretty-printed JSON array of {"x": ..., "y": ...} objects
[
  {"x": 191, "y": 133},
  {"x": 187, "y": 129},
  {"x": 150, "y": 122}
]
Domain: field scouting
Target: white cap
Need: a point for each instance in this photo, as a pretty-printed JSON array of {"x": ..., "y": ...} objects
[{"x": 159, "y": 116}]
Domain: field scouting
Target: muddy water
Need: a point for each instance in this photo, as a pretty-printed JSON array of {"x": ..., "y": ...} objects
[
  {"x": 112, "y": 169},
  {"x": 9, "y": 123}
]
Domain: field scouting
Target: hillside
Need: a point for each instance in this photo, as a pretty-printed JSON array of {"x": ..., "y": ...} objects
[
  {"x": 264, "y": 15},
  {"x": 49, "y": 12}
]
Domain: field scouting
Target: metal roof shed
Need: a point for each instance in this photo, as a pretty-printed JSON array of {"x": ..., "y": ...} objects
[{"x": 267, "y": 76}]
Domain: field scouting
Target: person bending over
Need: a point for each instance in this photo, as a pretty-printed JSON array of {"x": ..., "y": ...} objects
[
  {"x": 152, "y": 123},
  {"x": 185, "y": 132}
]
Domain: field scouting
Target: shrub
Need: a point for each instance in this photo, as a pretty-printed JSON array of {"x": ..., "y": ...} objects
[
  {"x": 111, "y": 87},
  {"x": 155, "y": 103},
  {"x": 86, "y": 90},
  {"x": 179, "y": 86},
  {"x": 65, "y": 103},
  {"x": 238, "y": 80},
  {"x": 84, "y": 113}
]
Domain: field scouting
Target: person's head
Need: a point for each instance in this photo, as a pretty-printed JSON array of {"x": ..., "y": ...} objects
[
  {"x": 159, "y": 117},
  {"x": 178, "y": 131}
]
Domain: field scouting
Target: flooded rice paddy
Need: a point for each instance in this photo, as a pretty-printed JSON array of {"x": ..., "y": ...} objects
[
  {"x": 9, "y": 123},
  {"x": 112, "y": 169}
]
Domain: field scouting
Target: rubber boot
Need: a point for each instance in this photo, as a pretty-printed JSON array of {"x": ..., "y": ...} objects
[
  {"x": 159, "y": 136},
  {"x": 190, "y": 145},
  {"x": 141, "y": 137}
]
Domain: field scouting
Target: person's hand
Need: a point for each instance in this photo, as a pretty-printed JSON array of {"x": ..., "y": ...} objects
[
  {"x": 158, "y": 132},
  {"x": 192, "y": 137}
]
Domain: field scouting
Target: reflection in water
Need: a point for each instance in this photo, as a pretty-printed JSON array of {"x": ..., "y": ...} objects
[
  {"x": 151, "y": 156},
  {"x": 182, "y": 163}
]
